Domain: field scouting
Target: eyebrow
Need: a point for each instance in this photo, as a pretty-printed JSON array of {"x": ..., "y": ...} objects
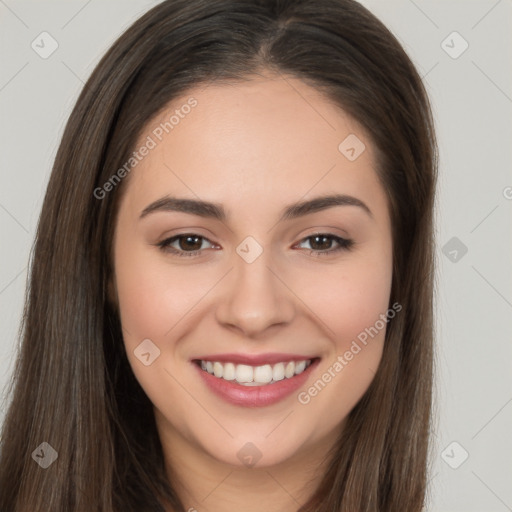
[{"x": 216, "y": 211}]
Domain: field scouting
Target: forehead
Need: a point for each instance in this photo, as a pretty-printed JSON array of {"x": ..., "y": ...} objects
[{"x": 272, "y": 137}]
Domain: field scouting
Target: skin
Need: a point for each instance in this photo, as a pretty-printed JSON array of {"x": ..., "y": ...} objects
[{"x": 254, "y": 147}]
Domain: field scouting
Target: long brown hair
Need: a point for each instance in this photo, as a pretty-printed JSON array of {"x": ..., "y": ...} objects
[{"x": 73, "y": 387}]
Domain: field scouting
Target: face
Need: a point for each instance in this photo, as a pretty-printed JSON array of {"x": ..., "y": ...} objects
[{"x": 249, "y": 288}]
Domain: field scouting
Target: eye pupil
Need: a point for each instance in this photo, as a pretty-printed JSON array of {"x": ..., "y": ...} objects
[
  {"x": 196, "y": 246},
  {"x": 323, "y": 246}
]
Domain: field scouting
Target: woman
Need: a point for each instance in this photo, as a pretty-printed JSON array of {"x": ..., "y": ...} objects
[{"x": 252, "y": 371}]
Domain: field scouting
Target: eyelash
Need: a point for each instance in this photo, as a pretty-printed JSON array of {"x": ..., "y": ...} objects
[{"x": 345, "y": 244}]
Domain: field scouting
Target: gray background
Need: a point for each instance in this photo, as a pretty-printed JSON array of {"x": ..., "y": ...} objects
[{"x": 472, "y": 101}]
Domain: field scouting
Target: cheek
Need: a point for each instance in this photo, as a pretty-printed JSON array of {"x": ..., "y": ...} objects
[
  {"x": 154, "y": 297},
  {"x": 351, "y": 312},
  {"x": 156, "y": 302},
  {"x": 350, "y": 298}
]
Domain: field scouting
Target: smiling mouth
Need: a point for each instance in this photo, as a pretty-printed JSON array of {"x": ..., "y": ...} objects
[{"x": 247, "y": 375}]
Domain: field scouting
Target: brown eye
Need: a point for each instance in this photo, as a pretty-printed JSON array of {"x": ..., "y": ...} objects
[
  {"x": 188, "y": 244},
  {"x": 321, "y": 244}
]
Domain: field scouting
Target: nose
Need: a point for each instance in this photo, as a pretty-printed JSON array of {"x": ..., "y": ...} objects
[{"x": 255, "y": 297}]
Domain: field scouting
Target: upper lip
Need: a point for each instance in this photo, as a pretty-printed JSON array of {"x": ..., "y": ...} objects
[{"x": 254, "y": 359}]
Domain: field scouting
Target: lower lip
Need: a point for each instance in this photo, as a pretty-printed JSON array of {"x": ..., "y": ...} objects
[{"x": 255, "y": 396}]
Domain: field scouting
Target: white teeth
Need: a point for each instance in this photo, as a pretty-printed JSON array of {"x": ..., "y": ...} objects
[
  {"x": 218, "y": 370},
  {"x": 229, "y": 371},
  {"x": 244, "y": 373},
  {"x": 278, "y": 372},
  {"x": 263, "y": 374},
  {"x": 300, "y": 367},
  {"x": 255, "y": 375}
]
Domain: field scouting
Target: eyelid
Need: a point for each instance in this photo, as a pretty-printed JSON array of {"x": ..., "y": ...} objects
[{"x": 324, "y": 230}]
